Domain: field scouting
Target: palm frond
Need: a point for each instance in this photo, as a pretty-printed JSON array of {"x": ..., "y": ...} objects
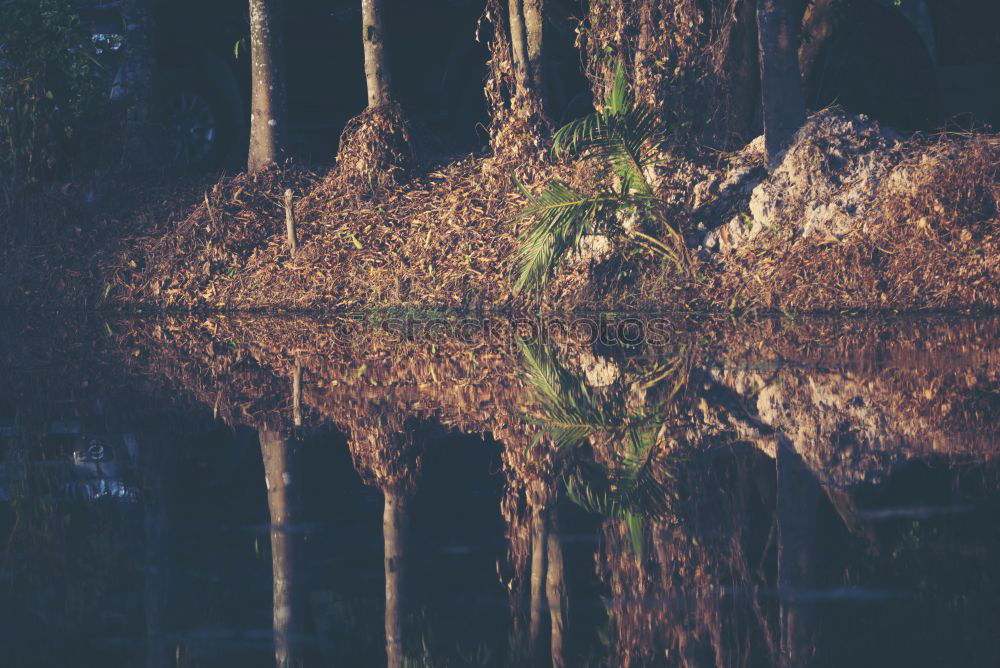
[
  {"x": 630, "y": 487},
  {"x": 562, "y": 217},
  {"x": 623, "y": 491},
  {"x": 636, "y": 526},
  {"x": 570, "y": 412},
  {"x": 567, "y": 409},
  {"x": 618, "y": 99},
  {"x": 628, "y": 509},
  {"x": 624, "y": 134}
]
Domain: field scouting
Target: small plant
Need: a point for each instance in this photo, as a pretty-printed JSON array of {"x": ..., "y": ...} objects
[{"x": 625, "y": 135}]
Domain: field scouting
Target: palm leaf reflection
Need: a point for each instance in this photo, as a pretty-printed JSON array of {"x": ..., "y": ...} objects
[{"x": 627, "y": 480}]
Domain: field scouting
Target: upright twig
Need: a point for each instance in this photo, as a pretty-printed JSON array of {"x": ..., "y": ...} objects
[{"x": 293, "y": 244}]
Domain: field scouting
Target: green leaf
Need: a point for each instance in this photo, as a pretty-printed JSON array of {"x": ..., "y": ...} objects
[
  {"x": 625, "y": 136},
  {"x": 636, "y": 534},
  {"x": 562, "y": 218}
]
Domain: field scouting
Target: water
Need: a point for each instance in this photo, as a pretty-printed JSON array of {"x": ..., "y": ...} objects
[{"x": 436, "y": 491}]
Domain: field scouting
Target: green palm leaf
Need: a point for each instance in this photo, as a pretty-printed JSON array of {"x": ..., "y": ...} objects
[
  {"x": 630, "y": 488},
  {"x": 625, "y": 136},
  {"x": 568, "y": 412},
  {"x": 562, "y": 217}
]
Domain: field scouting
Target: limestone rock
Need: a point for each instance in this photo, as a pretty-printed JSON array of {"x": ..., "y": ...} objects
[{"x": 824, "y": 185}]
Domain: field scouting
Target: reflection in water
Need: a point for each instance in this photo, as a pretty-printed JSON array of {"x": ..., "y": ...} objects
[
  {"x": 155, "y": 584},
  {"x": 768, "y": 494},
  {"x": 281, "y": 481},
  {"x": 631, "y": 458},
  {"x": 798, "y": 497},
  {"x": 388, "y": 457},
  {"x": 555, "y": 590},
  {"x": 394, "y": 532}
]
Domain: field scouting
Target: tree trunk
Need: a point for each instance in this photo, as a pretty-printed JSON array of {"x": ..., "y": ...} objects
[
  {"x": 519, "y": 46},
  {"x": 744, "y": 121},
  {"x": 645, "y": 89},
  {"x": 781, "y": 82},
  {"x": 527, "y": 22},
  {"x": 539, "y": 543},
  {"x": 797, "y": 504},
  {"x": 267, "y": 88},
  {"x": 156, "y": 585},
  {"x": 282, "y": 504},
  {"x": 555, "y": 592},
  {"x": 534, "y": 25},
  {"x": 376, "y": 63},
  {"x": 395, "y": 523},
  {"x": 140, "y": 146}
]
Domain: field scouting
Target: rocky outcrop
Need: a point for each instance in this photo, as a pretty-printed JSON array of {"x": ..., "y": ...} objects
[{"x": 823, "y": 186}]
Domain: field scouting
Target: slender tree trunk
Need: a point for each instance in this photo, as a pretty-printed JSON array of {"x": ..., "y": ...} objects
[
  {"x": 781, "y": 81},
  {"x": 519, "y": 46},
  {"x": 797, "y": 501},
  {"x": 376, "y": 62},
  {"x": 282, "y": 504},
  {"x": 267, "y": 88},
  {"x": 744, "y": 75},
  {"x": 297, "y": 394},
  {"x": 539, "y": 544},
  {"x": 555, "y": 592},
  {"x": 156, "y": 585},
  {"x": 395, "y": 524},
  {"x": 527, "y": 23},
  {"x": 534, "y": 26},
  {"x": 644, "y": 53},
  {"x": 141, "y": 149}
]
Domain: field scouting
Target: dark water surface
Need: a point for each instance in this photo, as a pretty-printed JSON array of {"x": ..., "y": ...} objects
[{"x": 434, "y": 491}]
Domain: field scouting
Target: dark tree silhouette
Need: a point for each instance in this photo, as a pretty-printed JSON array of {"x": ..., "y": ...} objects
[
  {"x": 797, "y": 503},
  {"x": 140, "y": 142},
  {"x": 781, "y": 82}
]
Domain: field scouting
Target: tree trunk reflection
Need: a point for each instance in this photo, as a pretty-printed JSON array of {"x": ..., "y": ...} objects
[
  {"x": 395, "y": 524},
  {"x": 555, "y": 589},
  {"x": 798, "y": 499},
  {"x": 283, "y": 505},
  {"x": 539, "y": 540}
]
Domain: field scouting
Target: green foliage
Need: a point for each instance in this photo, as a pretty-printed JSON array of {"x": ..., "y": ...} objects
[
  {"x": 48, "y": 83},
  {"x": 624, "y": 136},
  {"x": 569, "y": 412},
  {"x": 629, "y": 489}
]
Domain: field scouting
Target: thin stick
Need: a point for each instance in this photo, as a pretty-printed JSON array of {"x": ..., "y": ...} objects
[
  {"x": 293, "y": 244},
  {"x": 211, "y": 216}
]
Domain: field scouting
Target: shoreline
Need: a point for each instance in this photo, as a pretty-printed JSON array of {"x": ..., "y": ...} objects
[{"x": 911, "y": 226}]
